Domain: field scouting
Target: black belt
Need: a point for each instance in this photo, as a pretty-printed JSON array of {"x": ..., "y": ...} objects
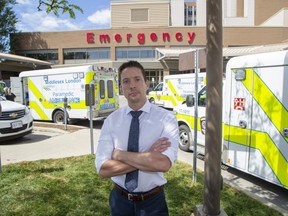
[{"x": 138, "y": 196}]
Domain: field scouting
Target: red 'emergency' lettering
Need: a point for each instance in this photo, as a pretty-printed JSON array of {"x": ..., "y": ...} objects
[
  {"x": 191, "y": 37},
  {"x": 128, "y": 36},
  {"x": 166, "y": 37},
  {"x": 141, "y": 38},
  {"x": 90, "y": 37},
  {"x": 153, "y": 37},
  {"x": 118, "y": 38},
  {"x": 179, "y": 36},
  {"x": 105, "y": 38}
]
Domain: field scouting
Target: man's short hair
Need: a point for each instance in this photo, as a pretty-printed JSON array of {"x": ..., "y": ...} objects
[{"x": 130, "y": 64}]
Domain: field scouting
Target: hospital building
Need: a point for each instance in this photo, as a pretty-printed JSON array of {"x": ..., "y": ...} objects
[{"x": 155, "y": 32}]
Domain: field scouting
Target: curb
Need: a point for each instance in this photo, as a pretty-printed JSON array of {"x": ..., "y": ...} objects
[{"x": 52, "y": 126}]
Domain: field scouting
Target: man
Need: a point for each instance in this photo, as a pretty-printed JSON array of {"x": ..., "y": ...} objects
[
  {"x": 158, "y": 147},
  {"x": 8, "y": 94}
]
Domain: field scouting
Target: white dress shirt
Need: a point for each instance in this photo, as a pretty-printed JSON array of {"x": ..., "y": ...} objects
[{"x": 155, "y": 122}]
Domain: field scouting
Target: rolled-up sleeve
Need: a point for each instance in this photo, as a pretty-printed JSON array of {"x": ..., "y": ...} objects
[
  {"x": 105, "y": 146},
  {"x": 171, "y": 131}
]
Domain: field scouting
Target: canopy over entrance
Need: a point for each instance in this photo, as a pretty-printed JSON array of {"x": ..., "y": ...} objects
[{"x": 12, "y": 65}]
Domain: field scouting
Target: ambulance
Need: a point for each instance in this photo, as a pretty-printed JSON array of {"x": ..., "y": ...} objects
[
  {"x": 174, "y": 89},
  {"x": 255, "y": 117},
  {"x": 46, "y": 91}
]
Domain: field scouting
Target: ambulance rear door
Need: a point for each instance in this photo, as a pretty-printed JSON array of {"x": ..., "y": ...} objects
[{"x": 239, "y": 122}]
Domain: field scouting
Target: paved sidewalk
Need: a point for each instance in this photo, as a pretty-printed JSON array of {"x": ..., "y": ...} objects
[{"x": 59, "y": 146}]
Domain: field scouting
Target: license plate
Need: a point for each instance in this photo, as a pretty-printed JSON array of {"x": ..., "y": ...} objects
[{"x": 17, "y": 124}]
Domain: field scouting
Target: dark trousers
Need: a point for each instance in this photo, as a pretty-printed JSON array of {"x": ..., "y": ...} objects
[{"x": 154, "y": 206}]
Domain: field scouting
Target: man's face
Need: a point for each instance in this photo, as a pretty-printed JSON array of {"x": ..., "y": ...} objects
[{"x": 133, "y": 85}]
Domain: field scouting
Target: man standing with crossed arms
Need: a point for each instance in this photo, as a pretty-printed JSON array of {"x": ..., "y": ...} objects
[{"x": 137, "y": 168}]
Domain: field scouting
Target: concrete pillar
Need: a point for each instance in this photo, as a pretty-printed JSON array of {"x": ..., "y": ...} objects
[{"x": 60, "y": 56}]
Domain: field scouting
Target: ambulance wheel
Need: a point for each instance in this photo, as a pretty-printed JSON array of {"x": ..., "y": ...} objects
[
  {"x": 58, "y": 117},
  {"x": 152, "y": 100},
  {"x": 185, "y": 138}
]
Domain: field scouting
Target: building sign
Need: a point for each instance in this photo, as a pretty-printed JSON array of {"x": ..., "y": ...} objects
[{"x": 141, "y": 37}]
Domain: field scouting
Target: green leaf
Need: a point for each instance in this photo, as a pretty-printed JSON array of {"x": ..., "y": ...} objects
[
  {"x": 55, "y": 11},
  {"x": 71, "y": 13},
  {"x": 77, "y": 8}
]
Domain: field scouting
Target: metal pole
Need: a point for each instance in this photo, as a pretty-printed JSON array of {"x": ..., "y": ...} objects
[
  {"x": 213, "y": 132},
  {"x": 91, "y": 117},
  {"x": 195, "y": 118},
  {"x": 65, "y": 113}
]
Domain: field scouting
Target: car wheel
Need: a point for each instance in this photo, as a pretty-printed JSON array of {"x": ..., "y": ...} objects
[
  {"x": 185, "y": 138},
  {"x": 58, "y": 117}
]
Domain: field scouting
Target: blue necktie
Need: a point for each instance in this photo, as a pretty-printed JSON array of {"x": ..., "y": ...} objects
[{"x": 131, "y": 181}]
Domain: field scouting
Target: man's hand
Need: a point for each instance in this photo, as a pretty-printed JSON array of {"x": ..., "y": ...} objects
[
  {"x": 160, "y": 145},
  {"x": 115, "y": 153}
]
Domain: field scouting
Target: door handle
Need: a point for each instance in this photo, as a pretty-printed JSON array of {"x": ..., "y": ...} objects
[
  {"x": 242, "y": 124},
  {"x": 285, "y": 132}
]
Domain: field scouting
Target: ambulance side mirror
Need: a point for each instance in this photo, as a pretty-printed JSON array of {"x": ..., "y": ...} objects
[{"x": 190, "y": 100}]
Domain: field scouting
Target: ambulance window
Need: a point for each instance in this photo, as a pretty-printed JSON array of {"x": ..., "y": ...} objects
[
  {"x": 110, "y": 88},
  {"x": 159, "y": 87},
  {"x": 102, "y": 89},
  {"x": 202, "y": 98}
]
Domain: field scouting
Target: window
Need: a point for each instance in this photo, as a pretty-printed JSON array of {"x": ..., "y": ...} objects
[
  {"x": 136, "y": 53},
  {"x": 86, "y": 55},
  {"x": 104, "y": 54},
  {"x": 139, "y": 15},
  {"x": 69, "y": 55},
  {"x": 110, "y": 88},
  {"x": 102, "y": 89},
  {"x": 121, "y": 54},
  {"x": 147, "y": 54},
  {"x": 190, "y": 15},
  {"x": 159, "y": 87},
  {"x": 92, "y": 55},
  {"x": 80, "y": 55},
  {"x": 44, "y": 55},
  {"x": 202, "y": 97},
  {"x": 133, "y": 54}
]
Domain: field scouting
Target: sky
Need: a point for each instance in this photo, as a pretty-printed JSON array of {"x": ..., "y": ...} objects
[{"x": 96, "y": 15}]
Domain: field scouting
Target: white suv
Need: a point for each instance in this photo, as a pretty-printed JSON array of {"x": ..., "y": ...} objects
[{"x": 15, "y": 120}]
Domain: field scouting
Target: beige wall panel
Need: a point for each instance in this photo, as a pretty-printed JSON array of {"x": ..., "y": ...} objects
[
  {"x": 245, "y": 36},
  {"x": 190, "y": 3},
  {"x": 262, "y": 12},
  {"x": 158, "y": 15},
  {"x": 52, "y": 40}
]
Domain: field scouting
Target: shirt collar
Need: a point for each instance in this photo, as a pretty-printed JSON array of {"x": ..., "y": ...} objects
[{"x": 146, "y": 108}]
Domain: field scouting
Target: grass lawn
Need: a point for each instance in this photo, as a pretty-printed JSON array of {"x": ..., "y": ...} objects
[{"x": 70, "y": 186}]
